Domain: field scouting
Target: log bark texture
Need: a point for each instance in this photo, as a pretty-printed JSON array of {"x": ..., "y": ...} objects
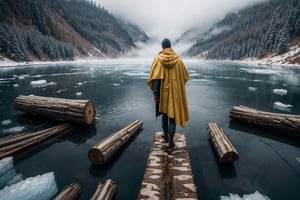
[
  {"x": 12, "y": 144},
  {"x": 225, "y": 150},
  {"x": 78, "y": 111},
  {"x": 70, "y": 192},
  {"x": 103, "y": 150},
  {"x": 105, "y": 191},
  {"x": 168, "y": 175},
  {"x": 275, "y": 121}
]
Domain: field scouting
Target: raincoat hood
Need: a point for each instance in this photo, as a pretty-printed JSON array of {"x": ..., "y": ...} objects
[
  {"x": 170, "y": 70},
  {"x": 168, "y": 58}
]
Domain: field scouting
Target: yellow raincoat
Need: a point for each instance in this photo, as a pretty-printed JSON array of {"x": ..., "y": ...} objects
[{"x": 169, "y": 68}]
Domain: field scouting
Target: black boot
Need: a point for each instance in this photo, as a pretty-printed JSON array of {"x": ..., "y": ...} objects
[
  {"x": 171, "y": 140},
  {"x": 165, "y": 136}
]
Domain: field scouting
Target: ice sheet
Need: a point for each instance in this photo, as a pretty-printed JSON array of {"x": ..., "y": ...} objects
[
  {"x": 8, "y": 174},
  {"x": 41, "y": 187},
  {"x": 254, "y": 196}
]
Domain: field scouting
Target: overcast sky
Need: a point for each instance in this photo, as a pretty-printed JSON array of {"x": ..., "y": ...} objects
[{"x": 170, "y": 18}]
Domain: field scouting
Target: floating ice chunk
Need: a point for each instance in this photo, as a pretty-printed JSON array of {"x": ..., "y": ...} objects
[
  {"x": 16, "y": 85},
  {"x": 51, "y": 83},
  {"x": 6, "y": 164},
  {"x": 78, "y": 93},
  {"x": 79, "y": 83},
  {"x": 7, "y": 172},
  {"x": 116, "y": 84},
  {"x": 280, "y": 92},
  {"x": 252, "y": 89},
  {"x": 13, "y": 129},
  {"x": 41, "y": 187},
  {"x": 38, "y": 83},
  {"x": 281, "y": 106},
  {"x": 298, "y": 159},
  {"x": 254, "y": 196},
  {"x": 6, "y": 122}
]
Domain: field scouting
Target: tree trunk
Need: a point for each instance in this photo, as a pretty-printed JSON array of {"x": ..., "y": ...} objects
[
  {"x": 10, "y": 145},
  {"x": 78, "y": 111},
  {"x": 105, "y": 191},
  {"x": 222, "y": 145},
  {"x": 107, "y": 147},
  {"x": 70, "y": 192},
  {"x": 275, "y": 121}
]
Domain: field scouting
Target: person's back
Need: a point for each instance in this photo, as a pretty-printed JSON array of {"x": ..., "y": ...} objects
[{"x": 167, "y": 79}]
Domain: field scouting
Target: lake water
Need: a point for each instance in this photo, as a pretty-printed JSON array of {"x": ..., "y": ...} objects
[{"x": 269, "y": 163}]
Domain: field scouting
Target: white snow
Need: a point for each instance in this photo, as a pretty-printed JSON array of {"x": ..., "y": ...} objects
[
  {"x": 254, "y": 196},
  {"x": 6, "y": 122},
  {"x": 41, "y": 187},
  {"x": 280, "y": 92},
  {"x": 38, "y": 83},
  {"x": 252, "y": 89},
  {"x": 281, "y": 106}
]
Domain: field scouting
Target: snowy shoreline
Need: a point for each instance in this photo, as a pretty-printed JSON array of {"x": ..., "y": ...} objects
[{"x": 274, "y": 61}]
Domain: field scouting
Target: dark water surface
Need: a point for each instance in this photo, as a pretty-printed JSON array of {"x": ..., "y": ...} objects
[{"x": 269, "y": 163}]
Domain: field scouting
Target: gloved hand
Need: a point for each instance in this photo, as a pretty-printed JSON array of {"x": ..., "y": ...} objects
[{"x": 156, "y": 99}]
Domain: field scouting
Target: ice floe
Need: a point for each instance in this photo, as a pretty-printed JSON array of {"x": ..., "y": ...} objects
[
  {"x": 8, "y": 174},
  {"x": 252, "y": 89},
  {"x": 6, "y": 122},
  {"x": 281, "y": 106},
  {"x": 13, "y": 129},
  {"x": 280, "y": 92},
  {"x": 254, "y": 196},
  {"x": 38, "y": 83},
  {"x": 78, "y": 93},
  {"x": 41, "y": 187}
]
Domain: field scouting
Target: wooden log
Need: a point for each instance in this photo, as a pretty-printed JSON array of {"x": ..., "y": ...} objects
[
  {"x": 225, "y": 150},
  {"x": 168, "y": 174},
  {"x": 70, "y": 192},
  {"x": 274, "y": 121},
  {"x": 105, "y": 191},
  {"x": 11, "y": 147},
  {"x": 78, "y": 111},
  {"x": 103, "y": 150}
]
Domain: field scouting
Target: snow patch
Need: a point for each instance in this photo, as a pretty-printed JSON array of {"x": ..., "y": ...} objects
[{"x": 254, "y": 196}]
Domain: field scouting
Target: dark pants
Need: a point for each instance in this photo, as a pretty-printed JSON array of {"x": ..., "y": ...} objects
[{"x": 168, "y": 125}]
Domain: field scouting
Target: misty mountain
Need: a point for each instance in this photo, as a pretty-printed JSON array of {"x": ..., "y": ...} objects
[
  {"x": 255, "y": 31},
  {"x": 62, "y": 29}
]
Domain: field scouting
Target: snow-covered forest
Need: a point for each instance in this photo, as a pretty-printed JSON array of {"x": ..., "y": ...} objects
[{"x": 255, "y": 31}]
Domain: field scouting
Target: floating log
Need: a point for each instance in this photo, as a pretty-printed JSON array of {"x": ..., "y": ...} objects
[
  {"x": 222, "y": 145},
  {"x": 274, "y": 121},
  {"x": 70, "y": 192},
  {"x": 78, "y": 111},
  {"x": 10, "y": 145},
  {"x": 168, "y": 174},
  {"x": 105, "y": 191},
  {"x": 103, "y": 150}
]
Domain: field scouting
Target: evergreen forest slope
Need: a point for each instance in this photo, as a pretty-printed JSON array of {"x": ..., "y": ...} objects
[
  {"x": 258, "y": 31},
  {"x": 62, "y": 29}
]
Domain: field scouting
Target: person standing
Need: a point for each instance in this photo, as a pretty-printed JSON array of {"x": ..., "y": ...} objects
[{"x": 167, "y": 79}]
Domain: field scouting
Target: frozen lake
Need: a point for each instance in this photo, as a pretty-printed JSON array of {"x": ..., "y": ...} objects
[{"x": 269, "y": 163}]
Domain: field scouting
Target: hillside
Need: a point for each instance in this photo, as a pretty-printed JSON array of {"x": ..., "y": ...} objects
[
  {"x": 259, "y": 31},
  {"x": 61, "y": 30}
]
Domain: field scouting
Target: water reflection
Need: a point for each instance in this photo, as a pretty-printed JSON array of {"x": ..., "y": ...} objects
[{"x": 120, "y": 93}]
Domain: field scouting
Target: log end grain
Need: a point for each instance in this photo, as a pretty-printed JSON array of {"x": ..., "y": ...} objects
[
  {"x": 89, "y": 112},
  {"x": 229, "y": 157},
  {"x": 96, "y": 156}
]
